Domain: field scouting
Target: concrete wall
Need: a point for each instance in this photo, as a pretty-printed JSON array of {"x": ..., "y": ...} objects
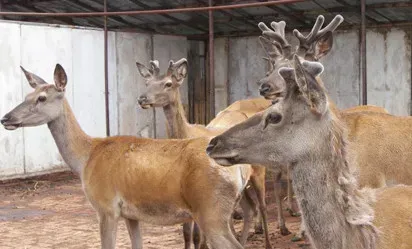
[
  {"x": 388, "y": 69},
  {"x": 38, "y": 48}
]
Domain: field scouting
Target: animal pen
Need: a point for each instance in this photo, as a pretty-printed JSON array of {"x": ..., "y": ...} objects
[{"x": 98, "y": 42}]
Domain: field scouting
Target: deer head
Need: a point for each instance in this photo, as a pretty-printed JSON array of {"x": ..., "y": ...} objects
[
  {"x": 42, "y": 105},
  {"x": 162, "y": 89},
  {"x": 312, "y": 47},
  {"x": 286, "y": 131}
]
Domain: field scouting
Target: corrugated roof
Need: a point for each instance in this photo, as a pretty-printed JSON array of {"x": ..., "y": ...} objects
[{"x": 227, "y": 22}]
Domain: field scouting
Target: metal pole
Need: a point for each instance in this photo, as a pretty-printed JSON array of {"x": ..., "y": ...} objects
[
  {"x": 158, "y": 11},
  {"x": 106, "y": 73},
  {"x": 364, "y": 82},
  {"x": 211, "y": 65}
]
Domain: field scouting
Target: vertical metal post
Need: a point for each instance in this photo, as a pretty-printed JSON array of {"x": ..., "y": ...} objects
[
  {"x": 106, "y": 73},
  {"x": 362, "y": 54},
  {"x": 211, "y": 65}
]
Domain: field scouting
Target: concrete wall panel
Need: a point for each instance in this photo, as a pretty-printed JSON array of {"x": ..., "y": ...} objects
[
  {"x": 221, "y": 73},
  {"x": 41, "y": 48},
  {"x": 133, "y": 120},
  {"x": 11, "y": 142},
  {"x": 246, "y": 67},
  {"x": 389, "y": 70},
  {"x": 341, "y": 75},
  {"x": 88, "y": 81}
]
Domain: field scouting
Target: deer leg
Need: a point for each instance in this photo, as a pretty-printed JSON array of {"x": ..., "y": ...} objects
[
  {"x": 258, "y": 183},
  {"x": 219, "y": 236},
  {"x": 247, "y": 216},
  {"x": 198, "y": 239},
  {"x": 108, "y": 229},
  {"x": 134, "y": 232},
  {"x": 281, "y": 218},
  {"x": 290, "y": 208},
  {"x": 187, "y": 234},
  {"x": 301, "y": 234}
]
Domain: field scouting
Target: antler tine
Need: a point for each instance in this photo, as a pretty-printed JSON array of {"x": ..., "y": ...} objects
[
  {"x": 306, "y": 41},
  {"x": 277, "y": 34}
]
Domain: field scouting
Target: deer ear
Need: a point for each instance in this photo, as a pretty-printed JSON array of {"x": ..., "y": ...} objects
[
  {"x": 305, "y": 77},
  {"x": 60, "y": 77},
  {"x": 178, "y": 70},
  {"x": 144, "y": 71},
  {"x": 33, "y": 79},
  {"x": 323, "y": 45}
]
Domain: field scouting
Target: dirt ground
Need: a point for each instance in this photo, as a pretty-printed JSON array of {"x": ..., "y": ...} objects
[{"x": 52, "y": 212}]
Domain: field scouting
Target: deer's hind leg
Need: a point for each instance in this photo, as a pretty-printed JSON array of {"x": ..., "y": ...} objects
[
  {"x": 278, "y": 191},
  {"x": 134, "y": 232},
  {"x": 258, "y": 183},
  {"x": 108, "y": 230}
]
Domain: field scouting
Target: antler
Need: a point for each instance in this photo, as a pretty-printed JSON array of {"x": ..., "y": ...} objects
[
  {"x": 155, "y": 67},
  {"x": 307, "y": 42},
  {"x": 276, "y": 36}
]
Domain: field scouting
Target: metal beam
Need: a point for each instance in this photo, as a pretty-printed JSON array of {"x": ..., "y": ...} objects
[
  {"x": 106, "y": 73},
  {"x": 151, "y": 12},
  {"x": 362, "y": 54},
  {"x": 188, "y": 24},
  {"x": 211, "y": 66}
]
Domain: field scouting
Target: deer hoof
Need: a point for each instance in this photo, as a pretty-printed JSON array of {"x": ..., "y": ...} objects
[
  {"x": 284, "y": 231},
  {"x": 258, "y": 229},
  {"x": 297, "y": 237}
]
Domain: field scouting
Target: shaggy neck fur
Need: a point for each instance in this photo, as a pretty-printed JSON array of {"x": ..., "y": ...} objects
[
  {"x": 336, "y": 214},
  {"x": 177, "y": 124},
  {"x": 74, "y": 145}
]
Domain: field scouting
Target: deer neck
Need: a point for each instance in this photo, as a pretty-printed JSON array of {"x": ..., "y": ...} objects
[
  {"x": 336, "y": 214},
  {"x": 74, "y": 145},
  {"x": 177, "y": 124}
]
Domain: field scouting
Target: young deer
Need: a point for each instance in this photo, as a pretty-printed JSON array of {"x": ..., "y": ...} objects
[
  {"x": 301, "y": 129},
  {"x": 162, "y": 182},
  {"x": 163, "y": 91}
]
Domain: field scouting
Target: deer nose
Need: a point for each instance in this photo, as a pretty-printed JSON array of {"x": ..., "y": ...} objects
[
  {"x": 264, "y": 89},
  {"x": 5, "y": 119},
  {"x": 212, "y": 144},
  {"x": 142, "y": 99}
]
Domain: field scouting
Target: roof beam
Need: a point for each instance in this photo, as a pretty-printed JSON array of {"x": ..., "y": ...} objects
[{"x": 190, "y": 25}]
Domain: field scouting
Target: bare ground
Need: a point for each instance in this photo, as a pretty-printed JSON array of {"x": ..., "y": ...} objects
[{"x": 52, "y": 212}]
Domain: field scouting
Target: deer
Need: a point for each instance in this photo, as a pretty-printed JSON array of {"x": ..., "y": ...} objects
[
  {"x": 161, "y": 182},
  {"x": 163, "y": 91},
  {"x": 317, "y": 44},
  {"x": 303, "y": 129}
]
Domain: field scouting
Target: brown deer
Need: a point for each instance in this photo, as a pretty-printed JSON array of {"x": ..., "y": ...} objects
[
  {"x": 301, "y": 129},
  {"x": 162, "y": 182},
  {"x": 163, "y": 91}
]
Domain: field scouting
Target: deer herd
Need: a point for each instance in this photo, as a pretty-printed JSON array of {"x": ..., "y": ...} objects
[{"x": 349, "y": 169}]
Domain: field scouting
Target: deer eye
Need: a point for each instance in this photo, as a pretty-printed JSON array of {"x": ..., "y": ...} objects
[
  {"x": 42, "y": 98},
  {"x": 273, "y": 118},
  {"x": 168, "y": 84}
]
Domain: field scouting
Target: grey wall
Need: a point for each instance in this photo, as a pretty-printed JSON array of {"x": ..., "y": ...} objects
[
  {"x": 31, "y": 151},
  {"x": 388, "y": 69}
]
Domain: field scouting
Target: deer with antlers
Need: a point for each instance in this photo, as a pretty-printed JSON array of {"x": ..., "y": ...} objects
[
  {"x": 163, "y": 91},
  {"x": 312, "y": 47},
  {"x": 161, "y": 182},
  {"x": 303, "y": 130}
]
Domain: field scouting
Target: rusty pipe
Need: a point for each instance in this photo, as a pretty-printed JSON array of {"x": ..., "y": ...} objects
[
  {"x": 362, "y": 54},
  {"x": 211, "y": 65},
  {"x": 106, "y": 74},
  {"x": 149, "y": 12}
]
